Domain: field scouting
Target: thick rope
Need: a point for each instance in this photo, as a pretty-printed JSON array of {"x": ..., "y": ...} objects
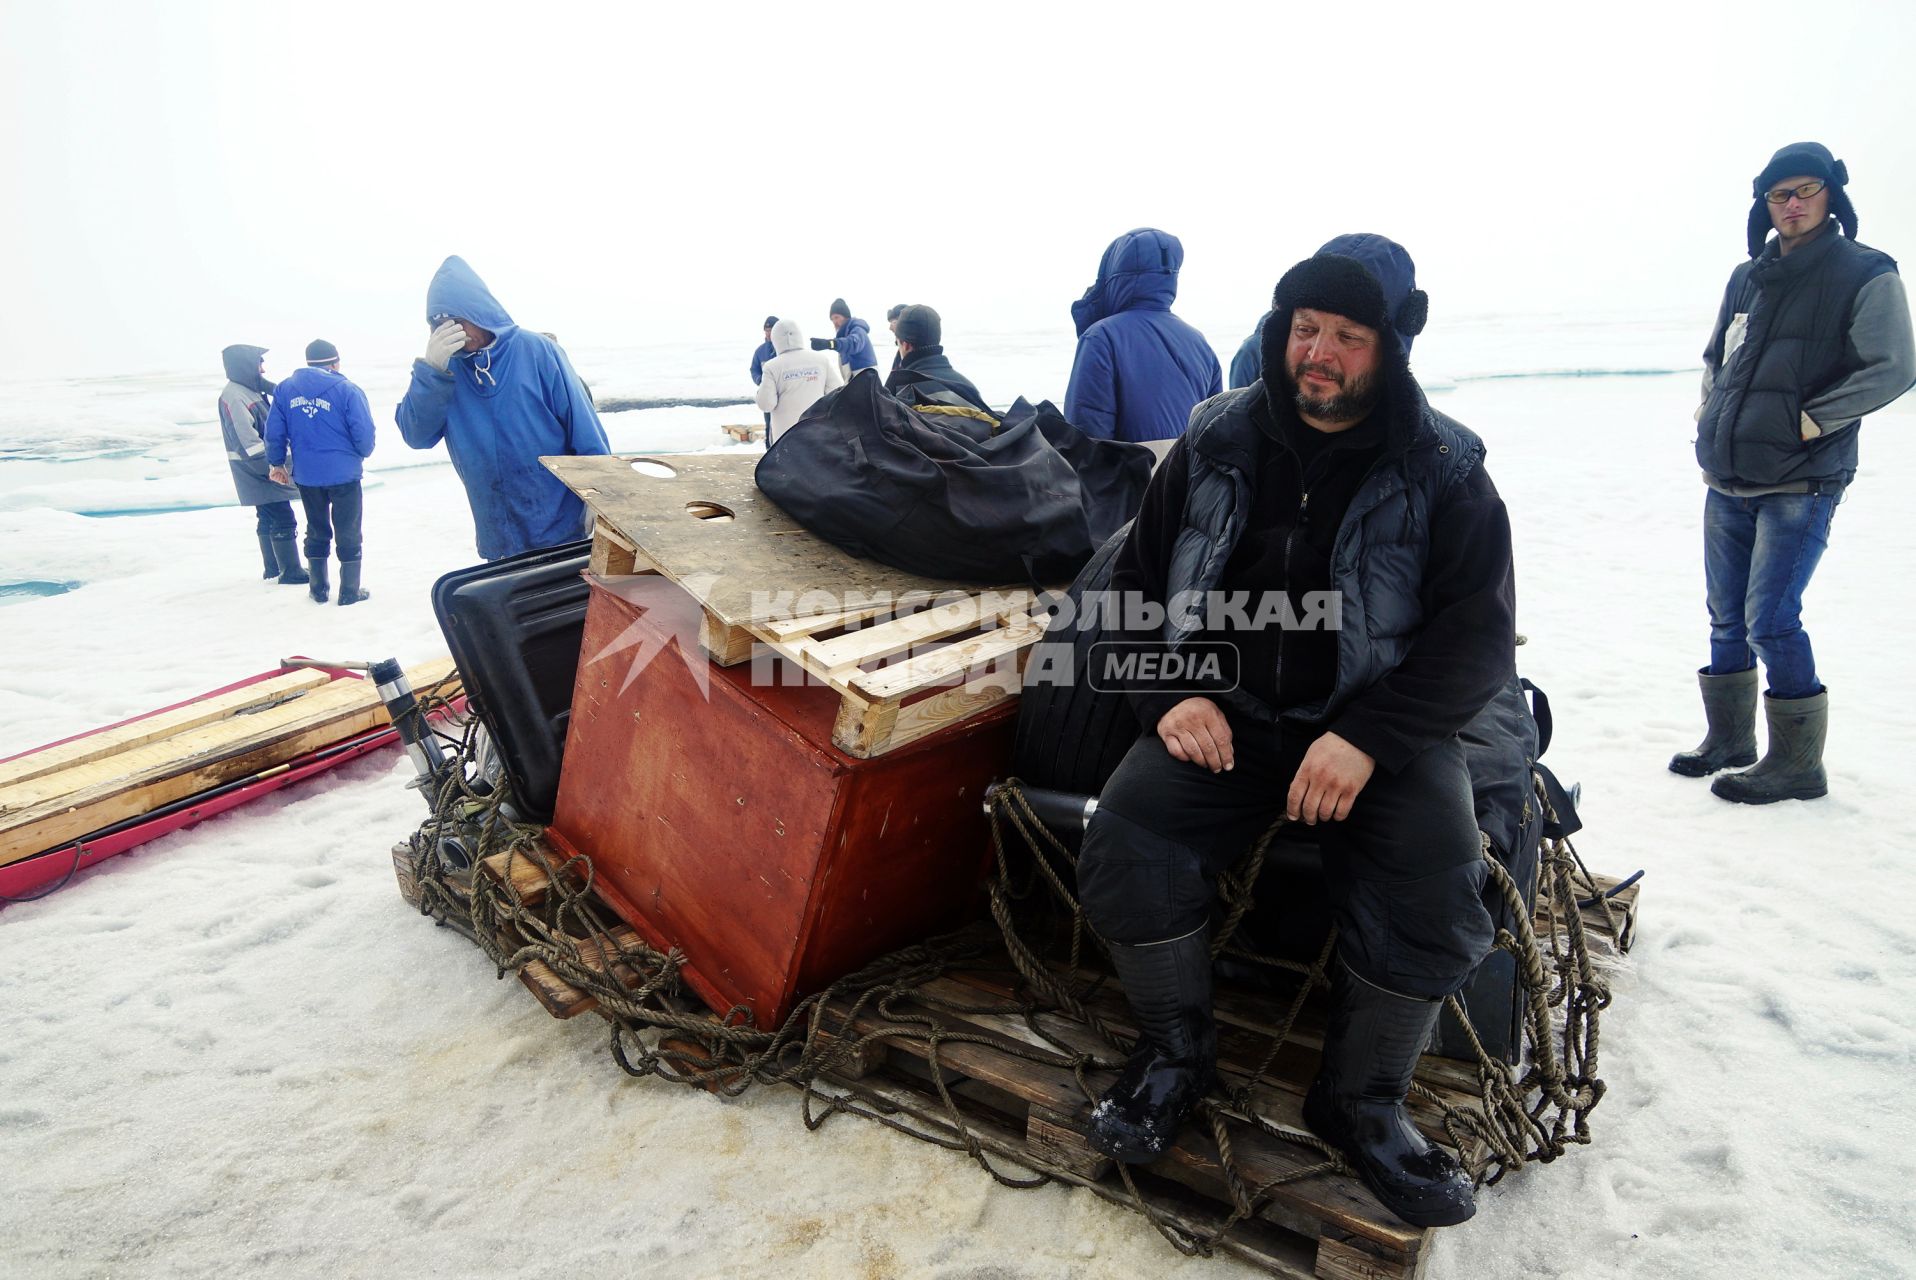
[{"x": 658, "y": 1030}]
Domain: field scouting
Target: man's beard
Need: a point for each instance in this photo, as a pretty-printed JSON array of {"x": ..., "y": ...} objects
[{"x": 1353, "y": 401}]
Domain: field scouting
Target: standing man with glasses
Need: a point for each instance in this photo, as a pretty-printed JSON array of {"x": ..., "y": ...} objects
[{"x": 1813, "y": 333}]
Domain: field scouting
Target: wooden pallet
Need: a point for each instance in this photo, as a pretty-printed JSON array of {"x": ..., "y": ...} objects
[
  {"x": 906, "y": 655},
  {"x": 1034, "y": 1114},
  {"x": 744, "y": 432}
]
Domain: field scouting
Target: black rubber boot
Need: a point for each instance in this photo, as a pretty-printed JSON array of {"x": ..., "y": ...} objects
[
  {"x": 266, "y": 554},
  {"x": 1729, "y": 709},
  {"x": 318, "y": 586},
  {"x": 290, "y": 574},
  {"x": 1357, "y": 1102},
  {"x": 1168, "y": 985},
  {"x": 349, "y": 592},
  {"x": 1792, "y": 768}
]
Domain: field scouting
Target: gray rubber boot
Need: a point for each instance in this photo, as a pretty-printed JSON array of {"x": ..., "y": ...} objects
[
  {"x": 319, "y": 587},
  {"x": 1792, "y": 768},
  {"x": 1729, "y": 709},
  {"x": 266, "y": 554}
]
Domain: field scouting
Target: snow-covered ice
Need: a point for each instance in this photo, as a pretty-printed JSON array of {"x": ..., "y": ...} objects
[{"x": 237, "y": 1051}]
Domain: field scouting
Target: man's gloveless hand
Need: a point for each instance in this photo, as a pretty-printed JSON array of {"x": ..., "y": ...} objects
[
  {"x": 1328, "y": 781},
  {"x": 1195, "y": 730}
]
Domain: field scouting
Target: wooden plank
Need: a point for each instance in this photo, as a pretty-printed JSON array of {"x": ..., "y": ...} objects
[
  {"x": 160, "y": 725},
  {"x": 745, "y": 571},
  {"x": 1274, "y": 1251},
  {"x": 724, "y": 643},
  {"x": 522, "y": 873},
  {"x": 45, "y": 812},
  {"x": 879, "y": 727},
  {"x": 612, "y": 555},
  {"x": 900, "y": 634},
  {"x": 780, "y": 630},
  {"x": 1064, "y": 1141},
  {"x": 1246, "y": 1023},
  {"x": 559, "y": 997},
  {"x": 1300, "y": 1206},
  {"x": 1348, "y": 1259},
  {"x": 402, "y": 871},
  {"x": 924, "y": 670}
]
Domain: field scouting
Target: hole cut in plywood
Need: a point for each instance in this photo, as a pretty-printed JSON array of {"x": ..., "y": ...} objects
[
  {"x": 713, "y": 511},
  {"x": 654, "y": 468}
]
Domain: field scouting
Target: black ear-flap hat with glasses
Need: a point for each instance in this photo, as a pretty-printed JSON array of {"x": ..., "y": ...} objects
[{"x": 1800, "y": 159}]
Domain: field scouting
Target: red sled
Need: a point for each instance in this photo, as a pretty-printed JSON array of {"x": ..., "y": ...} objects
[{"x": 37, "y": 874}]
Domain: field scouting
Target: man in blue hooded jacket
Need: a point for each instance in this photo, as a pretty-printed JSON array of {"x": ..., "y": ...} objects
[
  {"x": 501, "y": 397},
  {"x": 1139, "y": 369}
]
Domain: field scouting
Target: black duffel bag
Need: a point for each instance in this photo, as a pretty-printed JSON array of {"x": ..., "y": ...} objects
[{"x": 946, "y": 491}]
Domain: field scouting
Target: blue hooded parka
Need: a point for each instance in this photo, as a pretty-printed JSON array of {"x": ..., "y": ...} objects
[
  {"x": 1139, "y": 369},
  {"x": 500, "y": 410}
]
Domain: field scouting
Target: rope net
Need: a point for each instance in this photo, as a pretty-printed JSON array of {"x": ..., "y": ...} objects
[{"x": 1043, "y": 952}]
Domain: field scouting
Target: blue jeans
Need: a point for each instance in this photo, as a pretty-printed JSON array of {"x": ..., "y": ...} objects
[{"x": 1758, "y": 555}]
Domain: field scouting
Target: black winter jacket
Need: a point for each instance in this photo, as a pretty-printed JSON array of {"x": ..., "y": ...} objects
[
  {"x": 1405, "y": 525},
  {"x": 930, "y": 365}
]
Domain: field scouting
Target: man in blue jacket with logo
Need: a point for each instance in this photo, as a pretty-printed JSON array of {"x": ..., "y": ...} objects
[
  {"x": 1812, "y": 334},
  {"x": 501, "y": 397},
  {"x": 1139, "y": 369},
  {"x": 323, "y": 418}
]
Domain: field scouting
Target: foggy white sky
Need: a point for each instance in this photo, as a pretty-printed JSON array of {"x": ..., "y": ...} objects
[{"x": 182, "y": 176}]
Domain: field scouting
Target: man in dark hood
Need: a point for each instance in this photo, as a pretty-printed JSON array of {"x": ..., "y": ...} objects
[
  {"x": 243, "y": 406},
  {"x": 922, "y": 361},
  {"x": 1812, "y": 334},
  {"x": 1368, "y": 555},
  {"x": 1138, "y": 368},
  {"x": 501, "y": 397}
]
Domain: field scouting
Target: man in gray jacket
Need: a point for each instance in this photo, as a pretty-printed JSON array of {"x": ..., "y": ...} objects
[
  {"x": 1813, "y": 333},
  {"x": 242, "y": 412}
]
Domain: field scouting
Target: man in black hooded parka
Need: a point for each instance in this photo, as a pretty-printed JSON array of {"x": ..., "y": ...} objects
[{"x": 1331, "y": 488}]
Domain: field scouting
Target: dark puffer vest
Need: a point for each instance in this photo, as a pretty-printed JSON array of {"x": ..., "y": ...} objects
[
  {"x": 1795, "y": 344},
  {"x": 1381, "y": 546}
]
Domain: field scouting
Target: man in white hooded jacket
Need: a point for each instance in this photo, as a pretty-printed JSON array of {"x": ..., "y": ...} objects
[{"x": 794, "y": 379}]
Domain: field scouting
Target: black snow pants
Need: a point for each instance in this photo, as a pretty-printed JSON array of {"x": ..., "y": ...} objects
[{"x": 1405, "y": 870}]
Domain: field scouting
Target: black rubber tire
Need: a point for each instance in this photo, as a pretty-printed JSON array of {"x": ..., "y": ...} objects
[{"x": 1071, "y": 736}]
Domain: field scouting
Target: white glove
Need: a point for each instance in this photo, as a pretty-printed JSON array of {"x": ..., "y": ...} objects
[{"x": 444, "y": 344}]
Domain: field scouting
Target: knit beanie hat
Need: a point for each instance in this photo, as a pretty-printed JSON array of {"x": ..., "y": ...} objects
[
  {"x": 770, "y": 321},
  {"x": 1811, "y": 159},
  {"x": 920, "y": 326},
  {"x": 320, "y": 351},
  {"x": 840, "y": 309}
]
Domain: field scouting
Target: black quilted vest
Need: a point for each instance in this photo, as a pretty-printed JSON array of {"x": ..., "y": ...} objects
[
  {"x": 1795, "y": 345},
  {"x": 1382, "y": 542}
]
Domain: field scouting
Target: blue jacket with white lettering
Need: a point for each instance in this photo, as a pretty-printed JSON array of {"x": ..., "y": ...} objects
[{"x": 323, "y": 417}]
